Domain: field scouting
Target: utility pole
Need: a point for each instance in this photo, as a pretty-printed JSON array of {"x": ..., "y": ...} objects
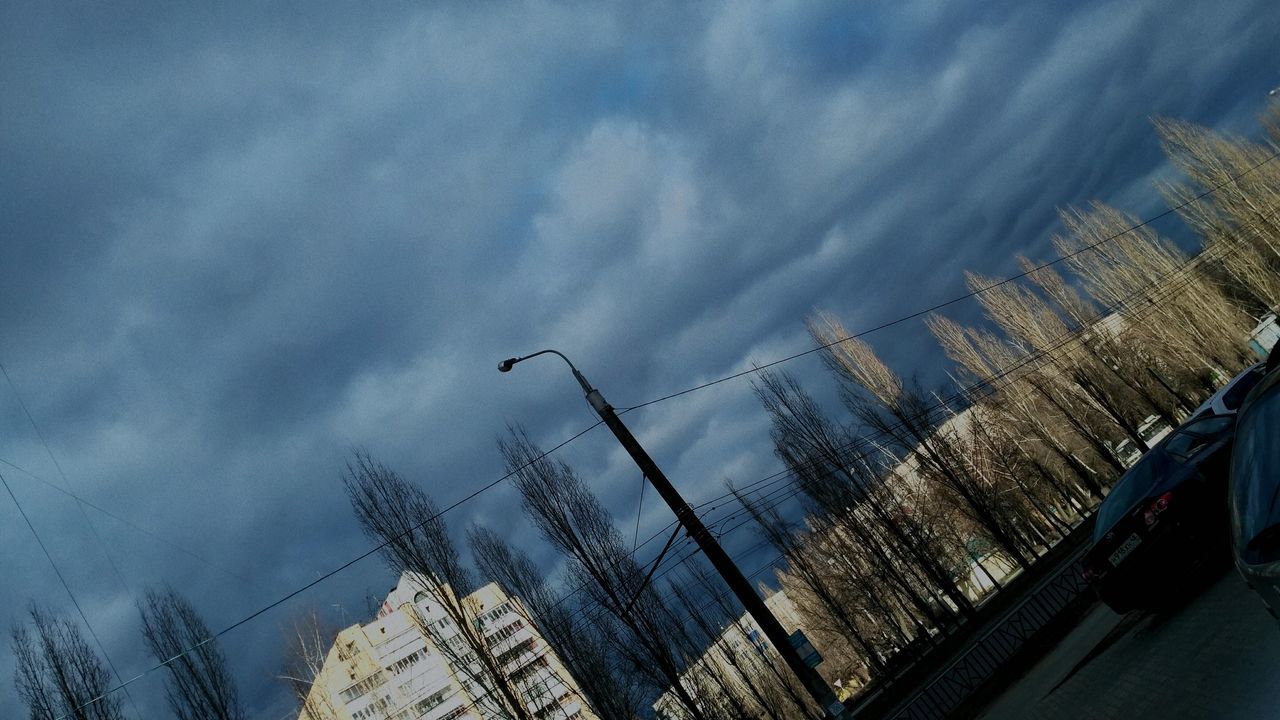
[{"x": 720, "y": 560}]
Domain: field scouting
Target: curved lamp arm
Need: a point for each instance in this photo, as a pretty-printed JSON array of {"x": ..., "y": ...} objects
[{"x": 593, "y": 395}]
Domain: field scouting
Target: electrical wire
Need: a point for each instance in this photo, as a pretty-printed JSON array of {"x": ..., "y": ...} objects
[
  {"x": 988, "y": 384},
  {"x": 65, "y": 481},
  {"x": 154, "y": 536},
  {"x": 294, "y": 593},
  {"x": 965, "y": 296},
  {"x": 768, "y": 501},
  {"x": 639, "y": 508},
  {"x": 771, "y": 499},
  {"x": 779, "y": 495},
  {"x": 65, "y": 586},
  {"x": 87, "y": 521},
  {"x": 701, "y": 386}
]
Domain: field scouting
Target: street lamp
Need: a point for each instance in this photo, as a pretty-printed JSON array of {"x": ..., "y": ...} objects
[{"x": 720, "y": 560}]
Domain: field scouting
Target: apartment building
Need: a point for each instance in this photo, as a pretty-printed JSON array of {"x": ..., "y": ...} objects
[
  {"x": 739, "y": 656},
  {"x": 392, "y": 667}
]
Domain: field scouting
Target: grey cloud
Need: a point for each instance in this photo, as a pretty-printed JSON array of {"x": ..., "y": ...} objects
[{"x": 245, "y": 240}]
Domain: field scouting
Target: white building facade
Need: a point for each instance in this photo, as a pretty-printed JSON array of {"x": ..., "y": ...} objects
[{"x": 392, "y": 668}]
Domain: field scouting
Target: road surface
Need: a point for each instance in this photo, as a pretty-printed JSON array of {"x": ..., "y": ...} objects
[{"x": 1215, "y": 656}]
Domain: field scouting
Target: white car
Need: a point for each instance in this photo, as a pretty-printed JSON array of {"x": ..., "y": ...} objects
[{"x": 1227, "y": 400}]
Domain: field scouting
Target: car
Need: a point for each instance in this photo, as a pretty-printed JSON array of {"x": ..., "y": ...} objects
[
  {"x": 1228, "y": 398},
  {"x": 1254, "y": 490},
  {"x": 1164, "y": 519}
]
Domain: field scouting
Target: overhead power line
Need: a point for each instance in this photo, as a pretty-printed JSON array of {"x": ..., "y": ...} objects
[
  {"x": 777, "y": 496},
  {"x": 959, "y": 298},
  {"x": 988, "y": 384},
  {"x": 756, "y": 369},
  {"x": 1070, "y": 336},
  {"x": 298, "y": 591},
  {"x": 87, "y": 521},
  {"x": 65, "y": 481},
  {"x": 154, "y": 536},
  {"x": 67, "y": 587}
]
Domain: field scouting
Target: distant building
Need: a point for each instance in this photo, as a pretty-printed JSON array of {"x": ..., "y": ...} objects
[
  {"x": 1264, "y": 336},
  {"x": 391, "y": 669},
  {"x": 743, "y": 643}
]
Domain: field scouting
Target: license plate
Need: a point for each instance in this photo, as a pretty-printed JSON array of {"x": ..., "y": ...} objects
[{"x": 1125, "y": 548}]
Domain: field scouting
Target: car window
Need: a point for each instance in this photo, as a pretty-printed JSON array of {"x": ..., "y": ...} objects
[
  {"x": 1208, "y": 425},
  {"x": 1234, "y": 395},
  {"x": 1255, "y": 469},
  {"x": 1130, "y": 488},
  {"x": 1187, "y": 440},
  {"x": 1183, "y": 447}
]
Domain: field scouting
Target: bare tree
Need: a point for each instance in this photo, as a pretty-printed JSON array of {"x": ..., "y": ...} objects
[
  {"x": 572, "y": 519},
  {"x": 1244, "y": 182},
  {"x": 839, "y": 601},
  {"x": 1004, "y": 379},
  {"x": 745, "y": 688},
  {"x": 1073, "y": 372},
  {"x": 1126, "y": 355},
  {"x": 757, "y": 671},
  {"x": 58, "y": 675},
  {"x": 1130, "y": 269},
  {"x": 829, "y": 467},
  {"x": 408, "y": 524},
  {"x": 307, "y": 640},
  {"x": 1033, "y": 325},
  {"x": 198, "y": 686},
  {"x": 908, "y": 419},
  {"x": 581, "y": 646}
]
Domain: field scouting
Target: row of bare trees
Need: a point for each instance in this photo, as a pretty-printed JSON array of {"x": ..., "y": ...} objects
[
  {"x": 60, "y": 675},
  {"x": 915, "y": 507},
  {"x": 917, "y": 503},
  {"x": 654, "y": 637},
  {"x": 621, "y": 638}
]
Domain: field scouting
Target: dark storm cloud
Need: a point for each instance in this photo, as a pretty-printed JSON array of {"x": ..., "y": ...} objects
[{"x": 237, "y": 243}]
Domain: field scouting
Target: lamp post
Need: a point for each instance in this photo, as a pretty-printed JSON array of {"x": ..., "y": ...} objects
[{"x": 720, "y": 560}]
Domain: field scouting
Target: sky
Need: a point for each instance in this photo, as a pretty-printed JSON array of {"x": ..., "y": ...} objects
[{"x": 239, "y": 241}]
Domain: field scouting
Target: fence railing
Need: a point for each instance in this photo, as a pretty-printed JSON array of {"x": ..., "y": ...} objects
[
  {"x": 967, "y": 659},
  {"x": 979, "y": 661}
]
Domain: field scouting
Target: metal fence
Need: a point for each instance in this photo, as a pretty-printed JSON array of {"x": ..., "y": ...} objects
[{"x": 982, "y": 658}]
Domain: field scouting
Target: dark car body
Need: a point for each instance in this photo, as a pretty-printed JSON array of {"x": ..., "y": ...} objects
[
  {"x": 1164, "y": 518},
  {"x": 1255, "y": 492}
]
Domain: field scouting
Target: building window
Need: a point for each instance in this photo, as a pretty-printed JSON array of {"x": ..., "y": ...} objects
[
  {"x": 522, "y": 647},
  {"x": 405, "y": 663},
  {"x": 359, "y": 689},
  {"x": 432, "y": 701},
  {"x": 506, "y": 632},
  {"x": 372, "y": 710}
]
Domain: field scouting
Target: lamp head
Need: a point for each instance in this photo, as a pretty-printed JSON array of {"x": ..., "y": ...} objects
[{"x": 506, "y": 365}]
